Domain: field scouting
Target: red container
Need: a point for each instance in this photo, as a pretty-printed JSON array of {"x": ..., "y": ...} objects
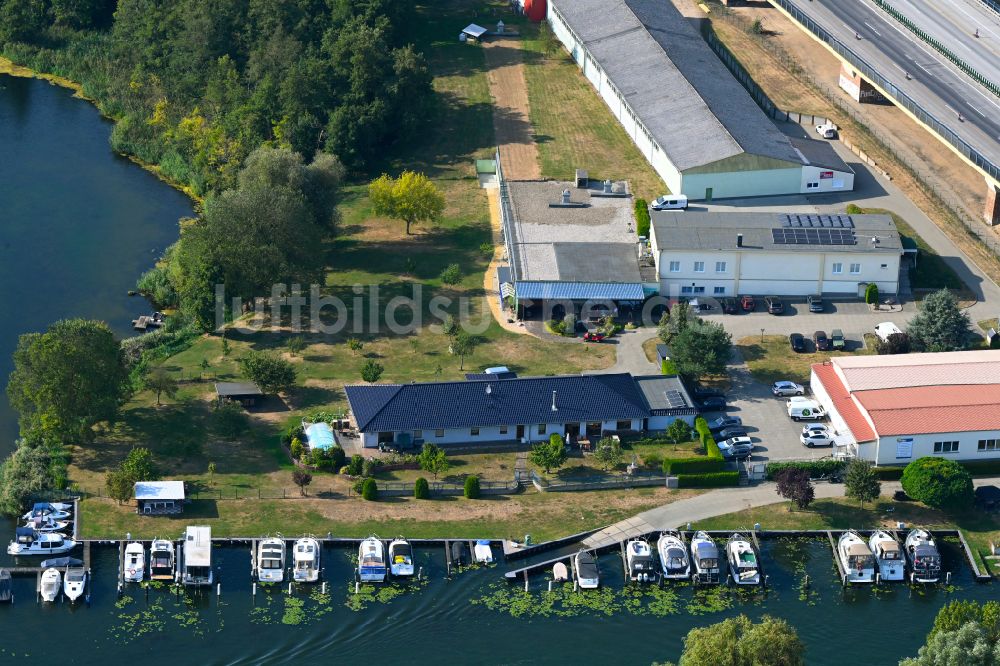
[{"x": 535, "y": 10}]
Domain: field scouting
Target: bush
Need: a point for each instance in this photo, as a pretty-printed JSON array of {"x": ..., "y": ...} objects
[
  {"x": 296, "y": 448},
  {"x": 939, "y": 483},
  {"x": 889, "y": 473},
  {"x": 370, "y": 466},
  {"x": 871, "y": 293},
  {"x": 983, "y": 467},
  {"x": 707, "y": 441},
  {"x": 451, "y": 274},
  {"x": 854, "y": 209},
  {"x": 327, "y": 459},
  {"x": 699, "y": 465},
  {"x": 642, "y": 218},
  {"x": 569, "y": 324},
  {"x": 295, "y": 431},
  {"x": 668, "y": 367},
  {"x": 369, "y": 490},
  {"x": 472, "y": 487},
  {"x": 356, "y": 465},
  {"x": 487, "y": 250},
  {"x": 710, "y": 480},
  {"x": 814, "y": 467},
  {"x": 421, "y": 489},
  {"x": 229, "y": 421}
]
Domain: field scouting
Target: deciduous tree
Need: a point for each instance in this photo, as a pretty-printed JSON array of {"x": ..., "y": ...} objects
[
  {"x": 861, "y": 482},
  {"x": 740, "y": 642},
  {"x": 608, "y": 453},
  {"x": 794, "y": 484},
  {"x": 411, "y": 198},
  {"x": 269, "y": 371},
  {"x": 302, "y": 479},
  {"x": 939, "y": 483},
  {"x": 701, "y": 348},
  {"x": 462, "y": 345},
  {"x": 23, "y": 474},
  {"x": 433, "y": 459},
  {"x": 159, "y": 381},
  {"x": 371, "y": 371},
  {"x": 550, "y": 454}
]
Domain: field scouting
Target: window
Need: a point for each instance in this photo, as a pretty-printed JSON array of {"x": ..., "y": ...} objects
[
  {"x": 945, "y": 447},
  {"x": 855, "y": 269},
  {"x": 812, "y": 186},
  {"x": 699, "y": 267},
  {"x": 687, "y": 290},
  {"x": 474, "y": 432},
  {"x": 838, "y": 268},
  {"x": 541, "y": 428},
  {"x": 418, "y": 434},
  {"x": 503, "y": 430},
  {"x": 675, "y": 267},
  {"x": 719, "y": 290},
  {"x": 439, "y": 432},
  {"x": 623, "y": 425},
  {"x": 699, "y": 290},
  {"x": 989, "y": 445},
  {"x": 885, "y": 265},
  {"x": 720, "y": 267}
]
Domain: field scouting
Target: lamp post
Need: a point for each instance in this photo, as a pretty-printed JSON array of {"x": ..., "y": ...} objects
[{"x": 761, "y": 336}]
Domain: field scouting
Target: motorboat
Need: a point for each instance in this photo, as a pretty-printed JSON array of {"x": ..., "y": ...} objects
[
  {"x": 271, "y": 560},
  {"x": 196, "y": 566},
  {"x": 639, "y": 561},
  {"x": 29, "y": 542},
  {"x": 50, "y": 585},
  {"x": 705, "y": 557},
  {"x": 400, "y": 557},
  {"x": 560, "y": 574},
  {"x": 371, "y": 561},
  {"x": 459, "y": 553},
  {"x": 482, "y": 552},
  {"x": 673, "y": 556},
  {"x": 46, "y": 524},
  {"x": 923, "y": 556},
  {"x": 47, "y": 510},
  {"x": 161, "y": 560},
  {"x": 743, "y": 565},
  {"x": 74, "y": 582},
  {"x": 305, "y": 560},
  {"x": 134, "y": 564},
  {"x": 888, "y": 556},
  {"x": 856, "y": 558},
  {"x": 587, "y": 574},
  {"x": 6, "y": 586}
]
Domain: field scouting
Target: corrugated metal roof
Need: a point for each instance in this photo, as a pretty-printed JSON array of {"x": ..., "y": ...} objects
[
  {"x": 919, "y": 410},
  {"x": 609, "y": 291},
  {"x": 159, "y": 490},
  {"x": 866, "y": 373},
  {"x": 237, "y": 388}
]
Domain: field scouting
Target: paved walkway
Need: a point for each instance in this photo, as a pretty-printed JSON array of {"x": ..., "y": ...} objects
[{"x": 629, "y": 354}]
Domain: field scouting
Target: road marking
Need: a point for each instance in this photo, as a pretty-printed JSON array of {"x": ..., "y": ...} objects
[
  {"x": 976, "y": 20},
  {"x": 872, "y": 28},
  {"x": 976, "y": 110}
]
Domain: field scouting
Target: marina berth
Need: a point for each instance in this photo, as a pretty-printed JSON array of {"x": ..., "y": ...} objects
[
  {"x": 371, "y": 561},
  {"x": 587, "y": 574},
  {"x": 134, "y": 563},
  {"x": 888, "y": 555},
  {"x": 271, "y": 560},
  {"x": 51, "y": 584},
  {"x": 306, "y": 560},
  {"x": 400, "y": 557},
  {"x": 196, "y": 568},
  {"x": 923, "y": 557},
  {"x": 743, "y": 564},
  {"x": 705, "y": 556},
  {"x": 74, "y": 582},
  {"x": 856, "y": 558},
  {"x": 673, "y": 556},
  {"x": 161, "y": 560},
  {"x": 29, "y": 542},
  {"x": 640, "y": 566}
]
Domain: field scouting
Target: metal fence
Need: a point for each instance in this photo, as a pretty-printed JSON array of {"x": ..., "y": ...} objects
[
  {"x": 619, "y": 480},
  {"x": 402, "y": 488}
]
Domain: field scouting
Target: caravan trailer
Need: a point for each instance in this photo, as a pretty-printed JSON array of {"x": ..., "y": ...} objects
[{"x": 197, "y": 565}]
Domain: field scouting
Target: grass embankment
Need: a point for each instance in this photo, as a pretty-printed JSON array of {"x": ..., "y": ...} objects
[{"x": 773, "y": 359}]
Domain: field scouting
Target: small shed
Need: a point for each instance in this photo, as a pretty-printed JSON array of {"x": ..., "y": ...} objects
[
  {"x": 159, "y": 498},
  {"x": 245, "y": 393},
  {"x": 662, "y": 353},
  {"x": 473, "y": 31}
]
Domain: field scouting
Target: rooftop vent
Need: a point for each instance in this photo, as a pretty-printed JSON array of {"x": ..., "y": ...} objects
[{"x": 554, "y": 408}]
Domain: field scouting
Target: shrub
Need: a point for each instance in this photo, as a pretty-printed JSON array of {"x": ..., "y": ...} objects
[
  {"x": 487, "y": 250},
  {"x": 983, "y": 467},
  {"x": 938, "y": 482},
  {"x": 296, "y": 448},
  {"x": 710, "y": 480},
  {"x": 345, "y": 470},
  {"x": 668, "y": 367},
  {"x": 814, "y": 467},
  {"x": 472, "y": 487},
  {"x": 292, "y": 432},
  {"x": 699, "y": 465},
  {"x": 327, "y": 459},
  {"x": 229, "y": 420},
  {"x": 356, "y": 465},
  {"x": 871, "y": 293},
  {"x": 889, "y": 473},
  {"x": 569, "y": 325},
  {"x": 854, "y": 209},
  {"x": 653, "y": 460},
  {"x": 707, "y": 441},
  {"x": 370, "y": 466},
  {"x": 421, "y": 489},
  {"x": 451, "y": 274},
  {"x": 369, "y": 490},
  {"x": 642, "y": 218}
]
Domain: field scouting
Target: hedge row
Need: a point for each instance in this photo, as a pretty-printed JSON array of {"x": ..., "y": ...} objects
[
  {"x": 699, "y": 465},
  {"x": 889, "y": 473},
  {"x": 711, "y": 448},
  {"x": 668, "y": 367},
  {"x": 982, "y": 467},
  {"x": 642, "y": 218},
  {"x": 814, "y": 467},
  {"x": 712, "y": 480}
]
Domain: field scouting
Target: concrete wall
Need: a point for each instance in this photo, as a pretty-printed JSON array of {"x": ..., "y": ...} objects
[
  {"x": 923, "y": 445},
  {"x": 732, "y": 184},
  {"x": 825, "y": 180}
]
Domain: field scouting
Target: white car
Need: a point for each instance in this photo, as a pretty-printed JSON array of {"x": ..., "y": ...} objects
[
  {"x": 820, "y": 428},
  {"x": 816, "y": 438},
  {"x": 827, "y": 130},
  {"x": 670, "y": 202},
  {"x": 787, "y": 388}
]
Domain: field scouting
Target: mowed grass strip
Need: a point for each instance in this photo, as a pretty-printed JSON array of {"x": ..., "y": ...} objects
[{"x": 773, "y": 359}]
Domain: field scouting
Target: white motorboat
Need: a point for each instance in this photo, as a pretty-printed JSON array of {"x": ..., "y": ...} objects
[
  {"x": 161, "y": 560},
  {"x": 50, "y": 585},
  {"x": 196, "y": 566},
  {"x": 400, "y": 557},
  {"x": 305, "y": 560},
  {"x": 743, "y": 566},
  {"x": 923, "y": 555},
  {"x": 482, "y": 553},
  {"x": 134, "y": 564},
  {"x": 587, "y": 574},
  {"x": 29, "y": 542},
  {"x": 46, "y": 510},
  {"x": 639, "y": 560},
  {"x": 673, "y": 556},
  {"x": 705, "y": 556},
  {"x": 46, "y": 524},
  {"x": 271, "y": 560},
  {"x": 74, "y": 582},
  {"x": 888, "y": 556},
  {"x": 371, "y": 561},
  {"x": 856, "y": 558}
]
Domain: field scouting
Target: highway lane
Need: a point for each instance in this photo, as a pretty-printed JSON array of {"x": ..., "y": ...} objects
[{"x": 940, "y": 87}]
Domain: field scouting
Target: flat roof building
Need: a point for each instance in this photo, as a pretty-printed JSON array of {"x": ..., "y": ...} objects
[
  {"x": 245, "y": 393},
  {"x": 159, "y": 498}
]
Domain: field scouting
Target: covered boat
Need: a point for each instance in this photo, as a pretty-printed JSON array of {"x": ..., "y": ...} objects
[
  {"x": 482, "y": 552},
  {"x": 888, "y": 555},
  {"x": 639, "y": 561},
  {"x": 371, "y": 561},
  {"x": 46, "y": 510},
  {"x": 923, "y": 556},
  {"x": 6, "y": 586},
  {"x": 196, "y": 568},
  {"x": 29, "y": 542},
  {"x": 271, "y": 560},
  {"x": 400, "y": 557},
  {"x": 305, "y": 560},
  {"x": 705, "y": 556},
  {"x": 459, "y": 553},
  {"x": 673, "y": 556},
  {"x": 161, "y": 560},
  {"x": 856, "y": 558},
  {"x": 60, "y": 562},
  {"x": 74, "y": 582},
  {"x": 46, "y": 524},
  {"x": 51, "y": 584},
  {"x": 743, "y": 566},
  {"x": 134, "y": 564},
  {"x": 587, "y": 574}
]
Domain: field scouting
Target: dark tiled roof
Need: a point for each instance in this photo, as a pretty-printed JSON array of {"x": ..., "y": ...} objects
[
  {"x": 464, "y": 404},
  {"x": 485, "y": 376}
]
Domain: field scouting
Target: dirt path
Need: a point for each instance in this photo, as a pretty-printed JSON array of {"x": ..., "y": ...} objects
[
  {"x": 489, "y": 279},
  {"x": 511, "y": 122}
]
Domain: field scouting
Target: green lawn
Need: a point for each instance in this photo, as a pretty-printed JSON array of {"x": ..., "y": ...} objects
[{"x": 773, "y": 360}]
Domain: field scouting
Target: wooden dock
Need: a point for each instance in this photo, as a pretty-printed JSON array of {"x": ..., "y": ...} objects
[{"x": 836, "y": 558}]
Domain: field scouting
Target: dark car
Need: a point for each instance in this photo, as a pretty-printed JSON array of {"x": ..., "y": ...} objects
[
  {"x": 701, "y": 392},
  {"x": 815, "y": 303},
  {"x": 798, "y": 342},
  {"x": 729, "y": 306},
  {"x": 713, "y": 404},
  {"x": 729, "y": 433},
  {"x": 822, "y": 342},
  {"x": 747, "y": 303},
  {"x": 774, "y": 305},
  {"x": 724, "y": 422}
]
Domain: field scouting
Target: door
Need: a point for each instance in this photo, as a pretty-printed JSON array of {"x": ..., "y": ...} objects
[
  {"x": 520, "y": 432},
  {"x": 708, "y": 194}
]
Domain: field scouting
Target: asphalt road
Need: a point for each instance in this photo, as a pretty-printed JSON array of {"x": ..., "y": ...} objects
[{"x": 934, "y": 82}]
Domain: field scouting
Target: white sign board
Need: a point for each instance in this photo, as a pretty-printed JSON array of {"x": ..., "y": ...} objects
[{"x": 904, "y": 448}]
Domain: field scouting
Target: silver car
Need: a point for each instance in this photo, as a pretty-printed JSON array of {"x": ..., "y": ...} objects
[
  {"x": 737, "y": 447},
  {"x": 787, "y": 388}
]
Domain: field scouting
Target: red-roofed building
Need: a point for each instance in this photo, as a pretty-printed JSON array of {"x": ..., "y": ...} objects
[{"x": 894, "y": 409}]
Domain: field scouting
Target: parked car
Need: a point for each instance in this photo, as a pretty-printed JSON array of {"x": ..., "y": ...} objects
[
  {"x": 713, "y": 404},
  {"x": 815, "y": 427},
  {"x": 822, "y": 342},
  {"x": 815, "y": 303},
  {"x": 723, "y": 422},
  {"x": 803, "y": 408},
  {"x": 816, "y": 439},
  {"x": 700, "y": 392},
  {"x": 798, "y": 342},
  {"x": 827, "y": 130},
  {"x": 730, "y": 306},
  {"x": 737, "y": 447},
  {"x": 593, "y": 336},
  {"x": 837, "y": 339},
  {"x": 748, "y": 303},
  {"x": 783, "y": 388},
  {"x": 730, "y": 433},
  {"x": 670, "y": 202},
  {"x": 774, "y": 305}
]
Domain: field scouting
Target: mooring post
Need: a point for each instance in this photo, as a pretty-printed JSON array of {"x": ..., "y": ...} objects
[
  {"x": 323, "y": 588},
  {"x": 420, "y": 573},
  {"x": 289, "y": 588},
  {"x": 218, "y": 589},
  {"x": 947, "y": 578},
  {"x": 550, "y": 586}
]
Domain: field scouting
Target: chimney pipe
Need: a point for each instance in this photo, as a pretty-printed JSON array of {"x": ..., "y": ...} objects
[
  {"x": 565, "y": 196},
  {"x": 554, "y": 408},
  {"x": 739, "y": 240}
]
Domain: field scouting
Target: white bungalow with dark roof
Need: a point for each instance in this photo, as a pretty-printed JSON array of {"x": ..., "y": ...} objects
[{"x": 521, "y": 410}]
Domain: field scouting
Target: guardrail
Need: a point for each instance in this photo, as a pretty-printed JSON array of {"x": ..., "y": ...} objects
[{"x": 992, "y": 4}]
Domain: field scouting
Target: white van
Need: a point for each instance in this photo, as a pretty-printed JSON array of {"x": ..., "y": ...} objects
[
  {"x": 670, "y": 202},
  {"x": 803, "y": 408},
  {"x": 885, "y": 329}
]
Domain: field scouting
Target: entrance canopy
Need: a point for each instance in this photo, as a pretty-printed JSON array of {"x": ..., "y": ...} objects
[{"x": 580, "y": 291}]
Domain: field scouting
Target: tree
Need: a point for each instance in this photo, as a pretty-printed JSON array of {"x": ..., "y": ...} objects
[
  {"x": 369, "y": 490},
  {"x": 957, "y": 613},
  {"x": 462, "y": 345},
  {"x": 739, "y": 642},
  {"x": 433, "y": 459},
  {"x": 119, "y": 486},
  {"x": 674, "y": 321},
  {"x": 295, "y": 345},
  {"x": 861, "y": 482},
  {"x": 421, "y": 489},
  {"x": 550, "y": 454},
  {"x": 23, "y": 474},
  {"x": 609, "y": 453},
  {"x": 371, "y": 371},
  {"x": 355, "y": 345},
  {"x": 896, "y": 343},
  {"x": 679, "y": 431},
  {"x": 159, "y": 381},
  {"x": 871, "y": 294},
  {"x": 701, "y": 348},
  {"x": 302, "y": 479},
  {"x": 139, "y": 465},
  {"x": 450, "y": 326},
  {"x": 269, "y": 371},
  {"x": 794, "y": 484},
  {"x": 663, "y": 327},
  {"x": 966, "y": 646},
  {"x": 939, "y": 483},
  {"x": 67, "y": 379},
  {"x": 356, "y": 466},
  {"x": 296, "y": 448},
  {"x": 940, "y": 325},
  {"x": 412, "y": 198},
  {"x": 471, "y": 489},
  {"x": 211, "y": 473}
]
